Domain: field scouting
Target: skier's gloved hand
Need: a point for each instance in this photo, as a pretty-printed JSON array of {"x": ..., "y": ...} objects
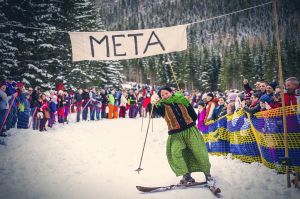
[{"x": 154, "y": 98}]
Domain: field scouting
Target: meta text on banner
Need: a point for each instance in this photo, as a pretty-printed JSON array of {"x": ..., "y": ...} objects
[{"x": 119, "y": 45}]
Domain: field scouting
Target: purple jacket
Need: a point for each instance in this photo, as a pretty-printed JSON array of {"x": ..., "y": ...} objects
[{"x": 201, "y": 117}]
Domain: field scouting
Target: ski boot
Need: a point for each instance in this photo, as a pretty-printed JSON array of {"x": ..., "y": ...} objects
[
  {"x": 210, "y": 181},
  {"x": 187, "y": 179}
]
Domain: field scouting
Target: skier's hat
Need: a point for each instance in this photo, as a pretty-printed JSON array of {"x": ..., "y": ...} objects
[{"x": 167, "y": 88}]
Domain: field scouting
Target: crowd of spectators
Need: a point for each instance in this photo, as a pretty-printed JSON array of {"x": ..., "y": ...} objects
[{"x": 27, "y": 107}]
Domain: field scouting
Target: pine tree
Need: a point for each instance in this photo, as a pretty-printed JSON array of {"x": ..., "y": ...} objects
[
  {"x": 246, "y": 58},
  {"x": 8, "y": 62},
  {"x": 204, "y": 71},
  {"x": 270, "y": 69}
]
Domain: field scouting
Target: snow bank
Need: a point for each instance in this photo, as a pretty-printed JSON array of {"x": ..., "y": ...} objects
[{"x": 98, "y": 160}]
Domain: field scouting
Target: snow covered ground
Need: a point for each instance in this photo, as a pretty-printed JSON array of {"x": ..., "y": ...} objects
[{"x": 98, "y": 160}]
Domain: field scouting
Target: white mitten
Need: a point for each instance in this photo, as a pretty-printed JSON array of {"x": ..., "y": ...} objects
[{"x": 154, "y": 98}]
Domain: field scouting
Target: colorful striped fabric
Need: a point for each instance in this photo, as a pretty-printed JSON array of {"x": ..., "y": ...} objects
[{"x": 258, "y": 138}]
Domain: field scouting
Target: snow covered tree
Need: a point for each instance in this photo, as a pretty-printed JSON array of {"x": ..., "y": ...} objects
[{"x": 8, "y": 62}]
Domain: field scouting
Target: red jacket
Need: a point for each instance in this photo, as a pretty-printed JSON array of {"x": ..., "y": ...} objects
[
  {"x": 290, "y": 99},
  {"x": 146, "y": 102}
]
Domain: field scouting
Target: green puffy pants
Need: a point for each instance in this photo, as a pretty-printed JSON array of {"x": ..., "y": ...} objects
[{"x": 187, "y": 153}]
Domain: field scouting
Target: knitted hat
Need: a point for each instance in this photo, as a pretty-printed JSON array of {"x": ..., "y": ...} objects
[
  {"x": 273, "y": 85},
  {"x": 210, "y": 94},
  {"x": 200, "y": 103},
  {"x": 167, "y": 88}
]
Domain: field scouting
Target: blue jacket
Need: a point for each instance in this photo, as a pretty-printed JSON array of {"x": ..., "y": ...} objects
[
  {"x": 53, "y": 107},
  {"x": 24, "y": 100}
]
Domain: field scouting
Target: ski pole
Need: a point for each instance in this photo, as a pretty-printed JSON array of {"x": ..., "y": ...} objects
[
  {"x": 152, "y": 124},
  {"x": 140, "y": 169},
  {"x": 142, "y": 124},
  {"x": 86, "y": 104}
]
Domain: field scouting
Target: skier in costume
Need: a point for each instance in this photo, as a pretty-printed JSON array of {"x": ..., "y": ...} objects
[{"x": 186, "y": 150}]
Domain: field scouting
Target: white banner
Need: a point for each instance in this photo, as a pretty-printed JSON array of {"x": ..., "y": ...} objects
[{"x": 119, "y": 45}]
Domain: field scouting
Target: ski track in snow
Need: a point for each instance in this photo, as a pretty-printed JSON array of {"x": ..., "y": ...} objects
[{"x": 98, "y": 159}]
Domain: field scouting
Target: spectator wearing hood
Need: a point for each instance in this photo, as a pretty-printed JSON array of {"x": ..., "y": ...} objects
[{"x": 265, "y": 102}]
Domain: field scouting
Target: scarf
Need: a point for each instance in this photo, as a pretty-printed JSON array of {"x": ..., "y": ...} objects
[{"x": 178, "y": 98}]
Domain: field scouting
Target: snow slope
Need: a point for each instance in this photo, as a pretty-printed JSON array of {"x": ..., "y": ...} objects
[{"x": 98, "y": 160}]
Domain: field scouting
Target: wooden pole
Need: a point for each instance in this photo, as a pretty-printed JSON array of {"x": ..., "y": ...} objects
[
  {"x": 170, "y": 63},
  {"x": 280, "y": 76}
]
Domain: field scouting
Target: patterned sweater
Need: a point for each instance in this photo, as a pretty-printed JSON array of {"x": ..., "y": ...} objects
[{"x": 177, "y": 116}]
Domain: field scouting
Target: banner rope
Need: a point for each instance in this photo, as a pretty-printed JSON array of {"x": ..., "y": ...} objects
[{"x": 188, "y": 24}]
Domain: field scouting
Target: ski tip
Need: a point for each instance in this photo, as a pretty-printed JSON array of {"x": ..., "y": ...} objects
[{"x": 140, "y": 188}]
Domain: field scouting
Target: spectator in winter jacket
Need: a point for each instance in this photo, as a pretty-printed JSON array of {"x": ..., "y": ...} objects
[
  {"x": 4, "y": 106},
  {"x": 247, "y": 88},
  {"x": 98, "y": 105},
  {"x": 230, "y": 109},
  {"x": 132, "y": 103},
  {"x": 123, "y": 104},
  {"x": 111, "y": 104},
  {"x": 263, "y": 88},
  {"x": 117, "y": 97},
  {"x": 67, "y": 106},
  {"x": 45, "y": 111},
  {"x": 292, "y": 95},
  {"x": 265, "y": 102},
  {"x": 24, "y": 111},
  {"x": 104, "y": 101},
  {"x": 61, "y": 102},
  {"x": 52, "y": 110},
  {"x": 140, "y": 99},
  {"x": 85, "y": 97},
  {"x": 254, "y": 106},
  {"x": 220, "y": 110},
  {"x": 201, "y": 115},
  {"x": 10, "y": 91},
  {"x": 78, "y": 102},
  {"x": 209, "y": 107},
  {"x": 145, "y": 105},
  {"x": 37, "y": 114},
  {"x": 35, "y": 96},
  {"x": 93, "y": 103},
  {"x": 257, "y": 87},
  {"x": 277, "y": 98}
]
